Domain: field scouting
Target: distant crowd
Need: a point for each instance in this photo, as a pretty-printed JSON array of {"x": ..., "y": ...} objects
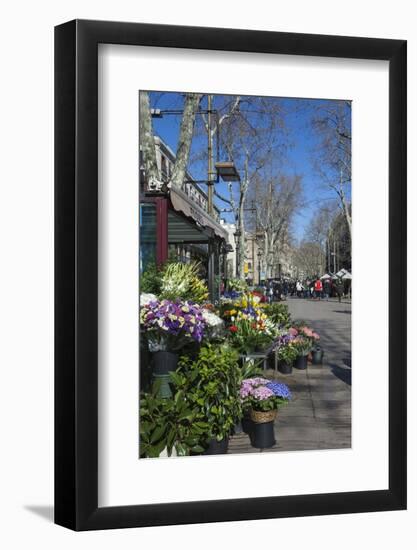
[{"x": 314, "y": 288}]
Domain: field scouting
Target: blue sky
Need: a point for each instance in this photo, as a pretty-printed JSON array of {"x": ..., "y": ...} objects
[{"x": 299, "y": 141}]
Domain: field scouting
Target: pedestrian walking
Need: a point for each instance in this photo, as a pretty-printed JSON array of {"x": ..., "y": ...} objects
[
  {"x": 327, "y": 289},
  {"x": 270, "y": 292},
  {"x": 339, "y": 289},
  {"x": 318, "y": 288}
]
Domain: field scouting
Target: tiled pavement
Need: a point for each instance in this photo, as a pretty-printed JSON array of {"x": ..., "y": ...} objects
[{"x": 319, "y": 415}]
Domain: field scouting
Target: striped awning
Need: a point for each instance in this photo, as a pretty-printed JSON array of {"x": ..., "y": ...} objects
[{"x": 182, "y": 203}]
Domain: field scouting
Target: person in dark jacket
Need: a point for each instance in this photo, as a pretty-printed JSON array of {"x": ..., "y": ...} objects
[
  {"x": 327, "y": 289},
  {"x": 339, "y": 286}
]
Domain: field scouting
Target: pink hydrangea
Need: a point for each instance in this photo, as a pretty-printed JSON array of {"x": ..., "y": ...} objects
[
  {"x": 262, "y": 392},
  {"x": 307, "y": 331}
]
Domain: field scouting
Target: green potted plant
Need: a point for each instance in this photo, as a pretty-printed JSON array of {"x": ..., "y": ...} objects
[
  {"x": 286, "y": 354},
  {"x": 303, "y": 347},
  {"x": 263, "y": 398},
  {"x": 278, "y": 314},
  {"x": 210, "y": 383},
  {"x": 168, "y": 426}
]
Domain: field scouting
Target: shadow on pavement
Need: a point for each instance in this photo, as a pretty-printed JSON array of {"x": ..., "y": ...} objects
[{"x": 343, "y": 373}]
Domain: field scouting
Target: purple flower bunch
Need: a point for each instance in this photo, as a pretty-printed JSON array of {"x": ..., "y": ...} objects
[
  {"x": 283, "y": 340},
  {"x": 261, "y": 394},
  {"x": 172, "y": 324},
  {"x": 250, "y": 311}
]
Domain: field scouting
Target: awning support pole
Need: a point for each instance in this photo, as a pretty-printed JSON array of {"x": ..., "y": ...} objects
[{"x": 161, "y": 231}]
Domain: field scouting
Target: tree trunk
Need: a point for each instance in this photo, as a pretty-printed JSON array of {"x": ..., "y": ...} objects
[
  {"x": 243, "y": 189},
  {"x": 147, "y": 143},
  {"x": 191, "y": 104},
  {"x": 347, "y": 216}
]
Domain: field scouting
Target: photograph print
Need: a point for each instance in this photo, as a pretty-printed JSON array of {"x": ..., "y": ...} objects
[{"x": 245, "y": 274}]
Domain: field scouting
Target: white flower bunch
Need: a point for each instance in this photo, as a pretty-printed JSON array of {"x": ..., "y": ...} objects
[
  {"x": 212, "y": 319},
  {"x": 147, "y": 297}
]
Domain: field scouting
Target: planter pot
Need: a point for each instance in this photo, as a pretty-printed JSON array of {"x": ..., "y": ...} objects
[
  {"x": 164, "y": 362},
  {"x": 301, "y": 362},
  {"x": 285, "y": 368},
  {"x": 263, "y": 436},
  {"x": 262, "y": 417},
  {"x": 317, "y": 356},
  {"x": 164, "y": 390},
  {"x": 247, "y": 423},
  {"x": 238, "y": 429},
  {"x": 217, "y": 447}
]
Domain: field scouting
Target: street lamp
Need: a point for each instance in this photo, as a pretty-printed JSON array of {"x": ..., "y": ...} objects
[
  {"x": 227, "y": 171},
  {"x": 237, "y": 236},
  {"x": 259, "y": 266}
]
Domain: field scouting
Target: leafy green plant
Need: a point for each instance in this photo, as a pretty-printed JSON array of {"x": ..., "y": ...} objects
[
  {"x": 151, "y": 280},
  {"x": 168, "y": 423},
  {"x": 211, "y": 383},
  {"x": 278, "y": 314},
  {"x": 287, "y": 353},
  {"x": 250, "y": 369}
]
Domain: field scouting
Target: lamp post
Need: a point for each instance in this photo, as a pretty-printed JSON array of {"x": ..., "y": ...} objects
[
  {"x": 237, "y": 236},
  {"x": 259, "y": 266}
]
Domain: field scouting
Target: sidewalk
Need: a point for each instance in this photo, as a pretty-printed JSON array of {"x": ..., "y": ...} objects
[{"x": 319, "y": 415}]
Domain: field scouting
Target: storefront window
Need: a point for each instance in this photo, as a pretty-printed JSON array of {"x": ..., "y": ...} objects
[{"x": 147, "y": 235}]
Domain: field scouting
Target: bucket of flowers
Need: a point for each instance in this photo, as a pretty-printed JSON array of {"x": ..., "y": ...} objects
[
  {"x": 286, "y": 353},
  {"x": 249, "y": 328},
  {"x": 303, "y": 347},
  {"x": 250, "y": 332},
  {"x": 170, "y": 326},
  {"x": 304, "y": 333},
  {"x": 263, "y": 398}
]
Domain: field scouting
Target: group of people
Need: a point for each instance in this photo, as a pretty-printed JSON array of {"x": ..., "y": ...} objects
[
  {"x": 279, "y": 289},
  {"x": 318, "y": 289},
  {"x": 276, "y": 290}
]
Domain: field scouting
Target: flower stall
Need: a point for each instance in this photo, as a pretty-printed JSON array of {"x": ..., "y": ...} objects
[{"x": 198, "y": 355}]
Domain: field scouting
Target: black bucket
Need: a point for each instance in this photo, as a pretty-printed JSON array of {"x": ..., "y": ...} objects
[
  {"x": 262, "y": 435},
  {"x": 217, "y": 447},
  {"x": 301, "y": 362},
  {"x": 285, "y": 368},
  {"x": 164, "y": 362}
]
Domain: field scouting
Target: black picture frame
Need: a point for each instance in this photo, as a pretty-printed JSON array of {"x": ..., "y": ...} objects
[{"x": 76, "y": 271}]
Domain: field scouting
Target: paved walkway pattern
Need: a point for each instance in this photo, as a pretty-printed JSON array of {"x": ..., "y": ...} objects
[{"x": 319, "y": 415}]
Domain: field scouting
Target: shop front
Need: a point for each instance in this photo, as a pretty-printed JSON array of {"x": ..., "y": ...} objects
[{"x": 173, "y": 226}]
